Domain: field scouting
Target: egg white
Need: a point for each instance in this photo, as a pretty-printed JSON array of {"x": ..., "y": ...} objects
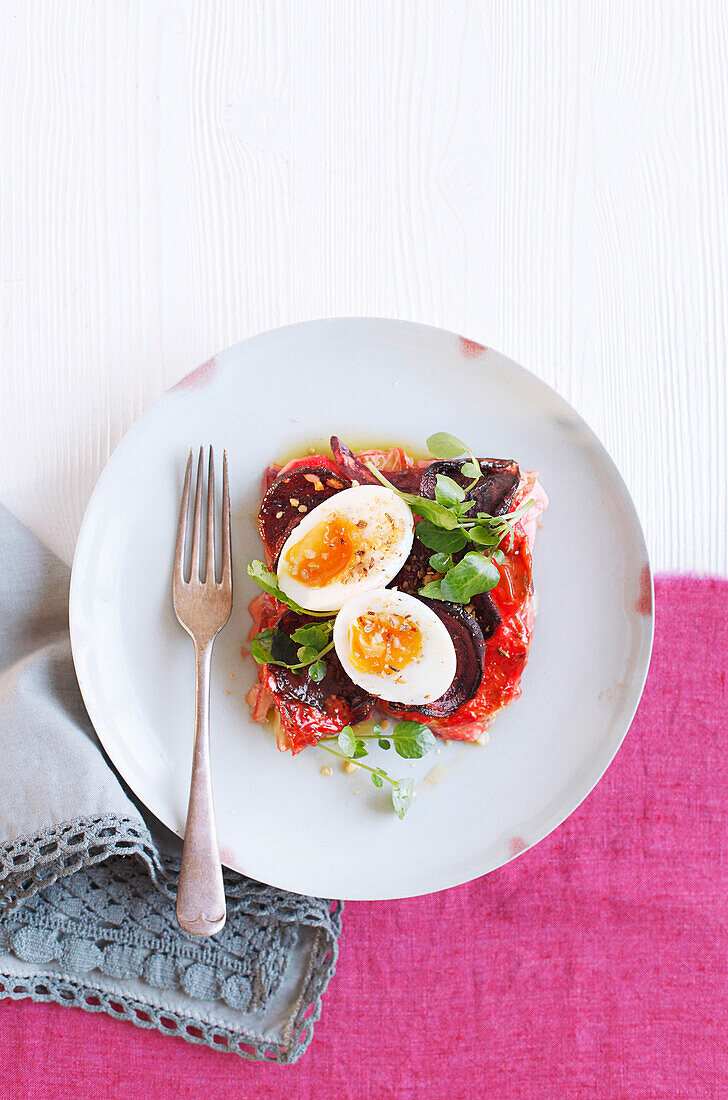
[
  {"x": 388, "y": 539},
  {"x": 423, "y": 679}
]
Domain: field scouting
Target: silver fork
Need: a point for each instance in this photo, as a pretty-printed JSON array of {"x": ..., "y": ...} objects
[{"x": 202, "y": 608}]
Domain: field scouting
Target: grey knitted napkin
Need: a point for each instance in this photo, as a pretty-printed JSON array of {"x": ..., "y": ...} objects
[{"x": 87, "y": 881}]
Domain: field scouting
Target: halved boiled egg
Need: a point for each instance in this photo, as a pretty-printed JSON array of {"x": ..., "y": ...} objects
[
  {"x": 355, "y": 541},
  {"x": 395, "y": 646}
]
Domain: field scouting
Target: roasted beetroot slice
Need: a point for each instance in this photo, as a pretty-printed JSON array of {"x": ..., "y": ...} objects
[
  {"x": 486, "y": 614},
  {"x": 350, "y": 464},
  {"x": 298, "y": 687},
  {"x": 470, "y": 650},
  {"x": 279, "y": 515},
  {"x": 407, "y": 481},
  {"x": 493, "y": 493}
]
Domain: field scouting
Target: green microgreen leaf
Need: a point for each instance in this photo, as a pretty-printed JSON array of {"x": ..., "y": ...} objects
[
  {"x": 433, "y": 591},
  {"x": 445, "y": 446},
  {"x": 402, "y": 795},
  {"x": 273, "y": 647},
  {"x": 384, "y": 743},
  {"x": 377, "y": 779},
  {"x": 484, "y": 536},
  {"x": 469, "y": 469},
  {"x": 498, "y": 557},
  {"x": 316, "y": 635},
  {"x": 447, "y": 491},
  {"x": 471, "y": 576},
  {"x": 434, "y": 538},
  {"x": 437, "y": 513},
  {"x": 441, "y": 562},
  {"x": 347, "y": 741},
  {"x": 412, "y": 740}
]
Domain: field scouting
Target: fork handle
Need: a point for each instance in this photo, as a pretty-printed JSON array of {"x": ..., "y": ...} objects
[{"x": 201, "y": 894}]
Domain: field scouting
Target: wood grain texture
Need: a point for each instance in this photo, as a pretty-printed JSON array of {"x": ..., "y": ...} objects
[{"x": 548, "y": 179}]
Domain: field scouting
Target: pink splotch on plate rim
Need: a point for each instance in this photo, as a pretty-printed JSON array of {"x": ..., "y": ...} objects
[
  {"x": 643, "y": 603},
  {"x": 198, "y": 378},
  {"x": 516, "y": 845},
  {"x": 469, "y": 349}
]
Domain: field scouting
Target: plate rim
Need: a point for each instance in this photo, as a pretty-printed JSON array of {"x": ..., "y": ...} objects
[{"x": 90, "y": 696}]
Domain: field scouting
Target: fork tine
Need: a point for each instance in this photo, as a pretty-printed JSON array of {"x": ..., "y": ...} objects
[
  {"x": 196, "y": 524},
  {"x": 210, "y": 573},
  {"x": 226, "y": 539},
  {"x": 179, "y": 553}
]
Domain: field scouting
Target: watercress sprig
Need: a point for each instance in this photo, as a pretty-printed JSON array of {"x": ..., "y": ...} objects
[
  {"x": 447, "y": 526},
  {"x": 304, "y": 648},
  {"x": 448, "y": 447},
  {"x": 411, "y": 741}
]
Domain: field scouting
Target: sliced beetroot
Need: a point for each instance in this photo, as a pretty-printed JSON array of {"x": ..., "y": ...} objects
[
  {"x": 494, "y": 491},
  {"x": 407, "y": 481},
  {"x": 470, "y": 650},
  {"x": 350, "y": 464},
  {"x": 290, "y": 497},
  {"x": 352, "y": 702},
  {"x": 486, "y": 614}
]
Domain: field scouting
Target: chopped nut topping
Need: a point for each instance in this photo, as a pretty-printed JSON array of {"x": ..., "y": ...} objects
[
  {"x": 302, "y": 508},
  {"x": 293, "y": 501},
  {"x": 349, "y": 767},
  {"x": 326, "y": 770},
  {"x": 279, "y": 515}
]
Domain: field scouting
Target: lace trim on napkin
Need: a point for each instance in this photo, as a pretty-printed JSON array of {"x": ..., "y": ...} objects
[
  {"x": 107, "y": 917},
  {"x": 28, "y": 864}
]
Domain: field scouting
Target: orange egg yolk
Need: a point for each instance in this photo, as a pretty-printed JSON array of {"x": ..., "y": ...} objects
[
  {"x": 324, "y": 552},
  {"x": 383, "y": 643}
]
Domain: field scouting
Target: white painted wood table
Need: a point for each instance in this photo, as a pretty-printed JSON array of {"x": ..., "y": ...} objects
[{"x": 549, "y": 179}]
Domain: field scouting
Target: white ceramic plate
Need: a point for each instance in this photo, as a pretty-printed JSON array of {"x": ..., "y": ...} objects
[{"x": 280, "y": 820}]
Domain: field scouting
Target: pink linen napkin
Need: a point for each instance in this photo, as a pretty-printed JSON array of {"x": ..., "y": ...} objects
[{"x": 596, "y": 965}]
